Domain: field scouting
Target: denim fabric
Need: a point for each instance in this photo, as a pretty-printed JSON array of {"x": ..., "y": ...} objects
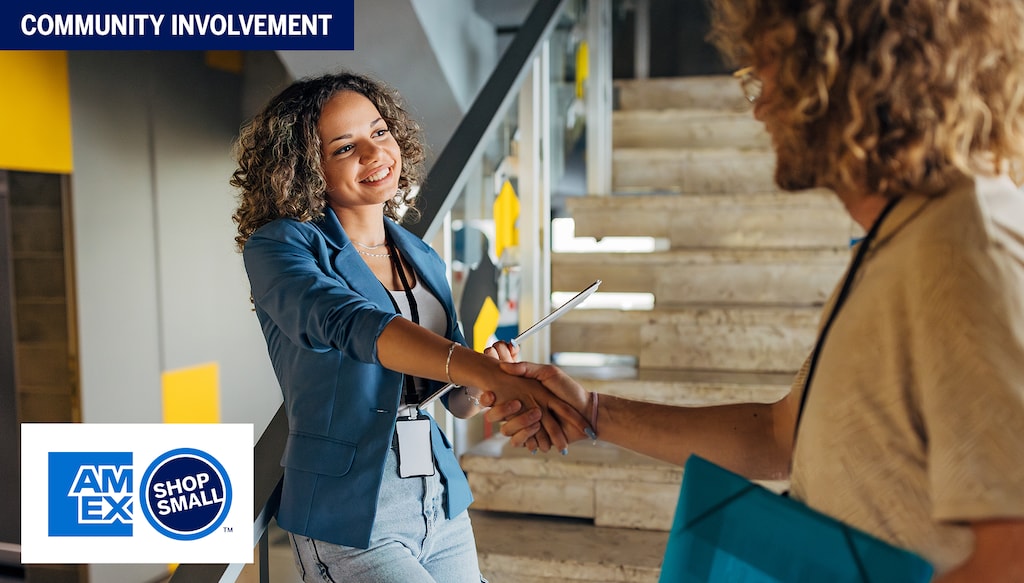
[{"x": 411, "y": 540}]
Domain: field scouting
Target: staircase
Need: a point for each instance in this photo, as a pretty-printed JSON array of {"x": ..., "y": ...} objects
[{"x": 738, "y": 277}]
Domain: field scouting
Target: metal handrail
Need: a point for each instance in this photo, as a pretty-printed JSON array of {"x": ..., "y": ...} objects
[
  {"x": 266, "y": 495},
  {"x": 441, "y": 188},
  {"x": 451, "y": 169}
]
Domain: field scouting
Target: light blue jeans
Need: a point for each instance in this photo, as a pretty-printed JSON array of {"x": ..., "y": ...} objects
[{"x": 411, "y": 540}]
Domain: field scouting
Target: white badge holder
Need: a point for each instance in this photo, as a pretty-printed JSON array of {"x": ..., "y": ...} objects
[{"x": 415, "y": 456}]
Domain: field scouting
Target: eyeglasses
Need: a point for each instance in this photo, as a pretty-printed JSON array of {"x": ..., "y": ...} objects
[{"x": 750, "y": 83}]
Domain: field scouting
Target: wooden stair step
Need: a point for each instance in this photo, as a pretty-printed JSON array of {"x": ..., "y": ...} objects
[
  {"x": 742, "y": 338},
  {"x": 703, "y": 276},
  {"x": 720, "y": 170},
  {"x": 813, "y": 219},
  {"x": 541, "y": 549},
  {"x": 688, "y": 128},
  {"x": 721, "y": 92}
]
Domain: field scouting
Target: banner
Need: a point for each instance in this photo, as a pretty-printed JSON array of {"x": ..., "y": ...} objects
[
  {"x": 136, "y": 493},
  {"x": 164, "y": 25}
]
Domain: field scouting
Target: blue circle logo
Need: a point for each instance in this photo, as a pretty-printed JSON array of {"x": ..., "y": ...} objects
[{"x": 186, "y": 494}]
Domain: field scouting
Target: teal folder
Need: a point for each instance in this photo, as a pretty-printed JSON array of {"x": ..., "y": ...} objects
[{"x": 730, "y": 530}]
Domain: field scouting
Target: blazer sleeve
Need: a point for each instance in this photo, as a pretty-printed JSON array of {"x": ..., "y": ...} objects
[{"x": 294, "y": 282}]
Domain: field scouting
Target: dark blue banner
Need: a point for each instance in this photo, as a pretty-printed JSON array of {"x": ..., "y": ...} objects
[{"x": 165, "y": 25}]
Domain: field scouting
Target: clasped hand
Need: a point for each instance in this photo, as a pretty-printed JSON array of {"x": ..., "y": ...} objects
[{"x": 540, "y": 405}]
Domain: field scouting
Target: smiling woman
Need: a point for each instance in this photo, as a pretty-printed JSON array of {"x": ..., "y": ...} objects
[{"x": 360, "y": 325}]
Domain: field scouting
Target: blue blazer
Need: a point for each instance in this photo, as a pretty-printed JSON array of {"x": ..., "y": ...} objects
[{"x": 322, "y": 309}]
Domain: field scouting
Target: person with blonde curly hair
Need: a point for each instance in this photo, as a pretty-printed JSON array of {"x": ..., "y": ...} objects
[
  {"x": 907, "y": 420},
  {"x": 360, "y": 326}
]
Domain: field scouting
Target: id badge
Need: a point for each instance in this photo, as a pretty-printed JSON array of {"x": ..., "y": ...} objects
[{"x": 415, "y": 457}]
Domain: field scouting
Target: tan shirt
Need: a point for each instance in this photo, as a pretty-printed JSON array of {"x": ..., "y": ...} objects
[{"x": 914, "y": 424}]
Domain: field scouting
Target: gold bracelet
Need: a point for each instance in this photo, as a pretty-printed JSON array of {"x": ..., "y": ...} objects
[{"x": 448, "y": 362}]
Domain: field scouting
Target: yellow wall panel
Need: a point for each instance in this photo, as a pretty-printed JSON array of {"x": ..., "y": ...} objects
[
  {"x": 506, "y": 213},
  {"x": 230, "y": 61},
  {"x": 35, "y": 112},
  {"x": 486, "y": 324},
  {"x": 192, "y": 395}
]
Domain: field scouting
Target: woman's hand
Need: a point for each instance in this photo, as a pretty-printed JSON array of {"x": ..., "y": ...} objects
[
  {"x": 501, "y": 351},
  {"x": 526, "y": 424}
]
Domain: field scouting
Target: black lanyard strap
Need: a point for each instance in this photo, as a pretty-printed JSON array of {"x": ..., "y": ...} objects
[
  {"x": 396, "y": 264},
  {"x": 411, "y": 394},
  {"x": 862, "y": 251}
]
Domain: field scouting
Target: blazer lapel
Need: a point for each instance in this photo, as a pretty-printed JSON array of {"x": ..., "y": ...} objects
[{"x": 348, "y": 265}]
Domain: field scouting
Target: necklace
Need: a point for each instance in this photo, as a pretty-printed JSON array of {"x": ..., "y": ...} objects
[
  {"x": 373, "y": 254},
  {"x": 371, "y": 247}
]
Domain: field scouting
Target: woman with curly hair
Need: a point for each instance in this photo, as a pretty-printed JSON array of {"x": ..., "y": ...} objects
[
  {"x": 360, "y": 327},
  {"x": 907, "y": 421}
]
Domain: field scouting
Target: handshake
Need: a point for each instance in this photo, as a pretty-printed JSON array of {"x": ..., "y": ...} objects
[{"x": 540, "y": 405}]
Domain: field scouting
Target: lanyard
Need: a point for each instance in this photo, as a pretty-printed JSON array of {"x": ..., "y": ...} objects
[
  {"x": 840, "y": 299},
  {"x": 411, "y": 394}
]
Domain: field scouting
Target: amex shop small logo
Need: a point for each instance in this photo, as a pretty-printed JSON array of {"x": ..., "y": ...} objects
[{"x": 136, "y": 493}]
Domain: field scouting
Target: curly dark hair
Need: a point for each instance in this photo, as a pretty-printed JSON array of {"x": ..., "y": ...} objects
[
  {"x": 279, "y": 169},
  {"x": 894, "y": 95}
]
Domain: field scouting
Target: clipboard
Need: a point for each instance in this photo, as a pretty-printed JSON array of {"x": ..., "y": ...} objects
[{"x": 537, "y": 327}]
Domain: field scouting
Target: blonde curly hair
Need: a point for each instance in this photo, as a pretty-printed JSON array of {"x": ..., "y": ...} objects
[
  {"x": 279, "y": 172},
  {"x": 896, "y": 96}
]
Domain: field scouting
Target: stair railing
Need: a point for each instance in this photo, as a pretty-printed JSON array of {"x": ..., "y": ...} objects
[
  {"x": 445, "y": 181},
  {"x": 448, "y": 175}
]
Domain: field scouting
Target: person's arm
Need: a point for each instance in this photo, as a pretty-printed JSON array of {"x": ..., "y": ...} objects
[
  {"x": 318, "y": 312},
  {"x": 752, "y": 439},
  {"x": 411, "y": 349},
  {"x": 997, "y": 555},
  {"x": 464, "y": 402}
]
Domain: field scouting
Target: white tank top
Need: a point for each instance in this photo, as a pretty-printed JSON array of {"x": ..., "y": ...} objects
[{"x": 432, "y": 316}]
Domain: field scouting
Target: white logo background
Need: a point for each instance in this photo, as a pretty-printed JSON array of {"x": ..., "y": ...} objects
[{"x": 230, "y": 443}]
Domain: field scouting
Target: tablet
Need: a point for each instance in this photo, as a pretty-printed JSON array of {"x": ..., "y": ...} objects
[{"x": 540, "y": 325}]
